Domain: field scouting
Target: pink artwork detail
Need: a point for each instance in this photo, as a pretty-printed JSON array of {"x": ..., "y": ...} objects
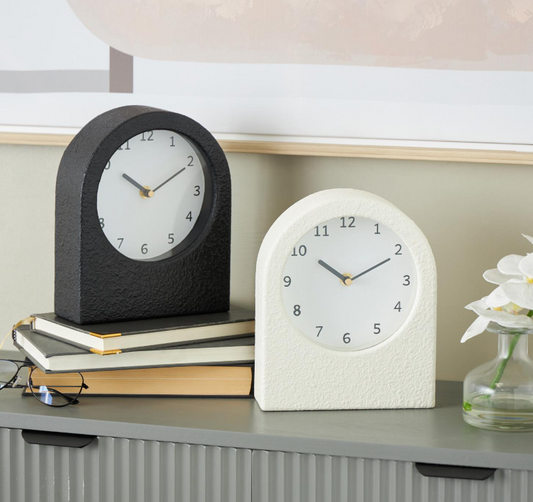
[{"x": 431, "y": 34}]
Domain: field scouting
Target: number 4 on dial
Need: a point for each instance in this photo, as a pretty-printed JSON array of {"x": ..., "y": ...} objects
[{"x": 351, "y": 274}]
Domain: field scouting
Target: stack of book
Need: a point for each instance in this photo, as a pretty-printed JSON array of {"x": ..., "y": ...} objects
[{"x": 204, "y": 355}]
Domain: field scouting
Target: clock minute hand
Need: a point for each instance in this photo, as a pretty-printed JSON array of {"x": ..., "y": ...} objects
[
  {"x": 172, "y": 177},
  {"x": 371, "y": 268},
  {"x": 332, "y": 270}
]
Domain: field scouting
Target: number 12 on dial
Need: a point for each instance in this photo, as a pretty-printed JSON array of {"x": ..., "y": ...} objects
[
  {"x": 349, "y": 283},
  {"x": 346, "y": 302}
]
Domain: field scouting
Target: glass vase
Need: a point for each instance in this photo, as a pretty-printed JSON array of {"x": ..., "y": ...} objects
[{"x": 498, "y": 395}]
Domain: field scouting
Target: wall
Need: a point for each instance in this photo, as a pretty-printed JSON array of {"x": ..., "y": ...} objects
[{"x": 472, "y": 214}]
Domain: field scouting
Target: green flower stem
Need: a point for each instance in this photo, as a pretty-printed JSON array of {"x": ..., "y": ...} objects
[{"x": 503, "y": 364}]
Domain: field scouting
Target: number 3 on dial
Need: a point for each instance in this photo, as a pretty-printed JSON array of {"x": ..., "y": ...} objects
[
  {"x": 351, "y": 290},
  {"x": 151, "y": 197}
]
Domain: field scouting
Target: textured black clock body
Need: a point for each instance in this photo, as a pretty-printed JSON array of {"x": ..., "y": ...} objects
[{"x": 96, "y": 283}]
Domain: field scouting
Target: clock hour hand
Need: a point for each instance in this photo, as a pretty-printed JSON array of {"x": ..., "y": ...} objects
[
  {"x": 172, "y": 177},
  {"x": 333, "y": 271},
  {"x": 371, "y": 268},
  {"x": 146, "y": 192}
]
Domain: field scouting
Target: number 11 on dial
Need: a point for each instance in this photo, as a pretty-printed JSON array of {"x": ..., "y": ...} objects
[{"x": 349, "y": 283}]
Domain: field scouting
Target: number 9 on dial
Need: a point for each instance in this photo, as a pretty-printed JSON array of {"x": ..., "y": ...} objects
[
  {"x": 345, "y": 307},
  {"x": 349, "y": 283}
]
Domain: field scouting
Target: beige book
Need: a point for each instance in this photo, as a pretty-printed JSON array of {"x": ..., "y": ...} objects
[{"x": 177, "y": 381}]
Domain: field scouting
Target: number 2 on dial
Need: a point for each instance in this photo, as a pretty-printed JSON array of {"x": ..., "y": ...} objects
[{"x": 353, "y": 275}]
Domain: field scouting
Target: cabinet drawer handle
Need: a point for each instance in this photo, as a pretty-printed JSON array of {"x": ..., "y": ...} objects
[
  {"x": 57, "y": 439},
  {"x": 454, "y": 471}
]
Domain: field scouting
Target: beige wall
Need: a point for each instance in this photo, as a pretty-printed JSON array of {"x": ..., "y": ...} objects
[{"x": 472, "y": 214}]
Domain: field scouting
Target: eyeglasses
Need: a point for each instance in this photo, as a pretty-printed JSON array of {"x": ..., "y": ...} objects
[
  {"x": 57, "y": 396},
  {"x": 9, "y": 372}
]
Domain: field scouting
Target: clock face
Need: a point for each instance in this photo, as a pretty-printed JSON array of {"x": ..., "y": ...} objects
[
  {"x": 349, "y": 283},
  {"x": 154, "y": 195}
]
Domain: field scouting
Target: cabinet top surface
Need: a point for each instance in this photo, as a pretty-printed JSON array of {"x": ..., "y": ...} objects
[{"x": 436, "y": 435}]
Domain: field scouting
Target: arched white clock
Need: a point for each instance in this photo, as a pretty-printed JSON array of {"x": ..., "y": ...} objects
[{"x": 345, "y": 307}]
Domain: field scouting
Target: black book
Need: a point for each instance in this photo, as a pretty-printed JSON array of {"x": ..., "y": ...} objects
[
  {"x": 52, "y": 355},
  {"x": 128, "y": 335}
]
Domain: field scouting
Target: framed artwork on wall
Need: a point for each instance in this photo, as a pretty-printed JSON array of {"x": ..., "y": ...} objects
[{"x": 403, "y": 79}]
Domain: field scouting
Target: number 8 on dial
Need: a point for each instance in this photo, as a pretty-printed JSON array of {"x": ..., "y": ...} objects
[
  {"x": 352, "y": 283},
  {"x": 143, "y": 219},
  {"x": 345, "y": 307}
]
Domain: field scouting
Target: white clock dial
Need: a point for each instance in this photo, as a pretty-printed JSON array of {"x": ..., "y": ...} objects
[
  {"x": 151, "y": 195},
  {"x": 349, "y": 283}
]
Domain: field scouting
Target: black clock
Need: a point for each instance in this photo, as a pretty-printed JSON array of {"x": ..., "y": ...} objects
[{"x": 143, "y": 219}]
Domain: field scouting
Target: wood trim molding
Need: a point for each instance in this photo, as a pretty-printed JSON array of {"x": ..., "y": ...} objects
[
  {"x": 380, "y": 152},
  {"x": 320, "y": 150},
  {"x": 16, "y": 138}
]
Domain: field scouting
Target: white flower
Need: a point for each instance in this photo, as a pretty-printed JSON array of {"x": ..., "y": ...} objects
[
  {"x": 529, "y": 238},
  {"x": 514, "y": 277},
  {"x": 508, "y": 316},
  {"x": 507, "y": 270},
  {"x": 513, "y": 297},
  {"x": 494, "y": 276},
  {"x": 520, "y": 289}
]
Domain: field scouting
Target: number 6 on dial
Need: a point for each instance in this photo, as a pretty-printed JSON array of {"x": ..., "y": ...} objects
[
  {"x": 143, "y": 219},
  {"x": 345, "y": 307}
]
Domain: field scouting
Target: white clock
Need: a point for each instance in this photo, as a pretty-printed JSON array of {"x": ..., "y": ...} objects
[
  {"x": 349, "y": 265},
  {"x": 345, "y": 307},
  {"x": 151, "y": 195}
]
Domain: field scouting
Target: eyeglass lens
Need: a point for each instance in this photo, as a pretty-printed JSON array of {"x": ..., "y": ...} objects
[
  {"x": 8, "y": 370},
  {"x": 55, "y": 389}
]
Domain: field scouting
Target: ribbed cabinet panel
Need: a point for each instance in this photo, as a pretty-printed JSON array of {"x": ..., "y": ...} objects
[
  {"x": 122, "y": 470},
  {"x": 293, "y": 477}
]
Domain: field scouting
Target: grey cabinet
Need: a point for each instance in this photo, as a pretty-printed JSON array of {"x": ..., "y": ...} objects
[
  {"x": 218, "y": 450},
  {"x": 122, "y": 470},
  {"x": 293, "y": 477},
  {"x": 129, "y": 470}
]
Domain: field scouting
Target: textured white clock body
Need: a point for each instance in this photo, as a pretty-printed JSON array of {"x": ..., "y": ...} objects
[{"x": 294, "y": 373}]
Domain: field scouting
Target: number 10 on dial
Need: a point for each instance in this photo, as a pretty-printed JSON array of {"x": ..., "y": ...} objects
[
  {"x": 346, "y": 303},
  {"x": 349, "y": 283},
  {"x": 151, "y": 196}
]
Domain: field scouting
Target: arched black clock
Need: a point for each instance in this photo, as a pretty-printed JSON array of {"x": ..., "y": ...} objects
[{"x": 143, "y": 219}]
